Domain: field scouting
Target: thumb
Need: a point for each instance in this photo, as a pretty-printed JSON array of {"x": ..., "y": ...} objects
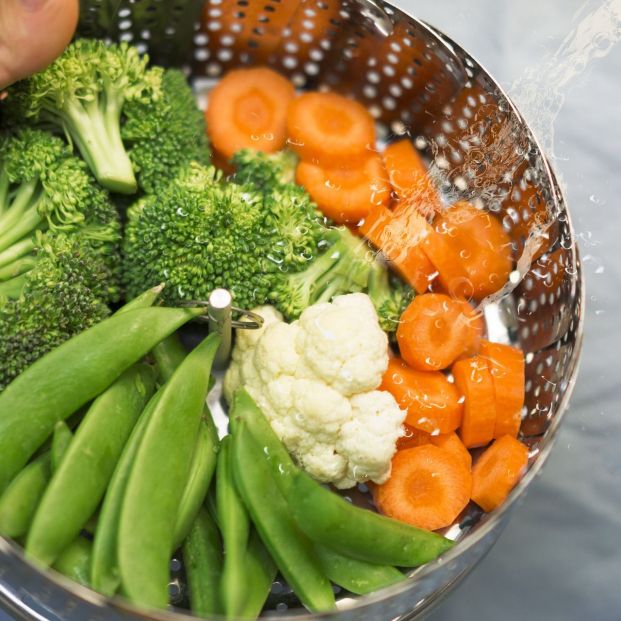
[{"x": 32, "y": 34}]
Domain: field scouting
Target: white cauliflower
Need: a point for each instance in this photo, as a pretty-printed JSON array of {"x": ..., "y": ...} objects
[{"x": 316, "y": 381}]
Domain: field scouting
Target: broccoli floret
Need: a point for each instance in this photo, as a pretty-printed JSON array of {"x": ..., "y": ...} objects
[
  {"x": 83, "y": 94},
  {"x": 165, "y": 134},
  {"x": 65, "y": 294},
  {"x": 45, "y": 189},
  {"x": 264, "y": 171},
  {"x": 203, "y": 232}
]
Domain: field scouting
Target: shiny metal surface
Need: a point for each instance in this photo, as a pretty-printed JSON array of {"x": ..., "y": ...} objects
[{"x": 419, "y": 83}]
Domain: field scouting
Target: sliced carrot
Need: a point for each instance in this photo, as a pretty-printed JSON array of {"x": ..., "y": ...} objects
[
  {"x": 476, "y": 325},
  {"x": 399, "y": 235},
  {"x": 345, "y": 194},
  {"x": 412, "y": 437},
  {"x": 474, "y": 380},
  {"x": 470, "y": 250},
  {"x": 434, "y": 330},
  {"x": 329, "y": 129},
  {"x": 247, "y": 109},
  {"x": 497, "y": 471},
  {"x": 374, "y": 225},
  {"x": 409, "y": 178},
  {"x": 451, "y": 442},
  {"x": 507, "y": 370},
  {"x": 428, "y": 487},
  {"x": 433, "y": 404}
]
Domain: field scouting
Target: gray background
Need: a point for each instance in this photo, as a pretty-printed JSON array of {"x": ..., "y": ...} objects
[{"x": 560, "y": 557}]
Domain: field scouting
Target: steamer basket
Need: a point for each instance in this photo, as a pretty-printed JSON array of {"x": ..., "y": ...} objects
[{"x": 419, "y": 83}]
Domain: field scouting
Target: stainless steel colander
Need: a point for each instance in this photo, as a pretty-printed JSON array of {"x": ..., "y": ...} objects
[{"x": 419, "y": 83}]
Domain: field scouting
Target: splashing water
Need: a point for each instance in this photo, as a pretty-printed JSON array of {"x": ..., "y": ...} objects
[{"x": 540, "y": 93}]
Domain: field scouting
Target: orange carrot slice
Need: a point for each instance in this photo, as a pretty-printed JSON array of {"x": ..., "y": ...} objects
[
  {"x": 330, "y": 129},
  {"x": 507, "y": 370},
  {"x": 344, "y": 194},
  {"x": 434, "y": 330},
  {"x": 432, "y": 402},
  {"x": 409, "y": 178},
  {"x": 412, "y": 437},
  {"x": 451, "y": 442},
  {"x": 470, "y": 250},
  {"x": 247, "y": 109},
  {"x": 497, "y": 471},
  {"x": 429, "y": 487},
  {"x": 474, "y": 380},
  {"x": 399, "y": 238}
]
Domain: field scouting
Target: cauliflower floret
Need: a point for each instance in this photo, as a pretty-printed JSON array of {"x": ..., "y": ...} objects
[
  {"x": 315, "y": 381},
  {"x": 275, "y": 353},
  {"x": 248, "y": 339},
  {"x": 369, "y": 438},
  {"x": 343, "y": 344},
  {"x": 322, "y": 462}
]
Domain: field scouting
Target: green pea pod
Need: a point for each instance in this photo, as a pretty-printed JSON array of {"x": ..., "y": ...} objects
[
  {"x": 20, "y": 499},
  {"x": 105, "y": 574},
  {"x": 168, "y": 355},
  {"x": 290, "y": 549},
  {"x": 245, "y": 409},
  {"x": 69, "y": 376},
  {"x": 61, "y": 439},
  {"x": 356, "y": 576},
  {"x": 260, "y": 573},
  {"x": 158, "y": 477},
  {"x": 144, "y": 300},
  {"x": 359, "y": 533},
  {"x": 83, "y": 476},
  {"x": 235, "y": 528},
  {"x": 19, "y": 502},
  {"x": 202, "y": 556},
  {"x": 201, "y": 474},
  {"x": 75, "y": 561}
]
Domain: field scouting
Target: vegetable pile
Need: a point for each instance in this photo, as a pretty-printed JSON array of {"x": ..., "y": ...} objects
[{"x": 122, "y": 208}]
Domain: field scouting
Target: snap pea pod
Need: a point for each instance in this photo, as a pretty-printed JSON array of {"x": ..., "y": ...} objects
[
  {"x": 202, "y": 556},
  {"x": 235, "y": 528},
  {"x": 158, "y": 477},
  {"x": 245, "y": 409},
  {"x": 260, "y": 571},
  {"x": 20, "y": 499},
  {"x": 144, "y": 300},
  {"x": 105, "y": 574},
  {"x": 330, "y": 520},
  {"x": 290, "y": 549},
  {"x": 75, "y": 561},
  {"x": 201, "y": 473},
  {"x": 168, "y": 355},
  {"x": 61, "y": 439},
  {"x": 81, "y": 480},
  {"x": 66, "y": 378},
  {"x": 356, "y": 576},
  {"x": 19, "y": 502}
]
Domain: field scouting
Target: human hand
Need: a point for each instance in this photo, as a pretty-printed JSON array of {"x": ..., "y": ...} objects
[{"x": 32, "y": 34}]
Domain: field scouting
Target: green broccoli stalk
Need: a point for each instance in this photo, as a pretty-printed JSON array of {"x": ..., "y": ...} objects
[
  {"x": 83, "y": 94},
  {"x": 165, "y": 134},
  {"x": 47, "y": 190},
  {"x": 348, "y": 265}
]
